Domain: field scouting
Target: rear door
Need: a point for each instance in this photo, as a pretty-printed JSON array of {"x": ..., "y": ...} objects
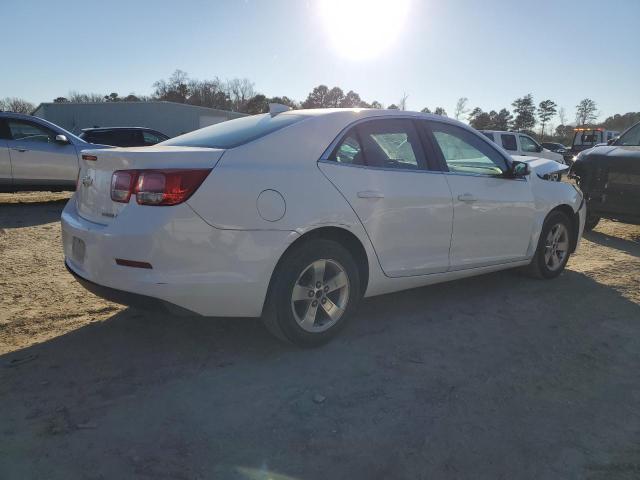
[
  {"x": 5, "y": 159},
  {"x": 493, "y": 214},
  {"x": 381, "y": 168},
  {"x": 36, "y": 157}
]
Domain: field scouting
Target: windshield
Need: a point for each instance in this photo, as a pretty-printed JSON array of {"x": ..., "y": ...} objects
[
  {"x": 631, "y": 137},
  {"x": 234, "y": 133}
]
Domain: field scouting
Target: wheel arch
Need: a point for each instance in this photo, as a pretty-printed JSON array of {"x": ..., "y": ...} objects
[{"x": 340, "y": 235}]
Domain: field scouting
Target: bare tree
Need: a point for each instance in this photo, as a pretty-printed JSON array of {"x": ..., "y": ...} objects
[
  {"x": 176, "y": 89},
  {"x": 17, "y": 105},
  {"x": 402, "y": 104},
  {"x": 77, "y": 97},
  {"x": 562, "y": 116},
  {"x": 240, "y": 90},
  {"x": 461, "y": 107}
]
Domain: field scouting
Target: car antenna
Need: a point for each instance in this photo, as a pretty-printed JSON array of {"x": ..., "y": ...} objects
[{"x": 276, "y": 108}]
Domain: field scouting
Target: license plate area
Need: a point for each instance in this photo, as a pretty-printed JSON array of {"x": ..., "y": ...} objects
[{"x": 78, "y": 249}]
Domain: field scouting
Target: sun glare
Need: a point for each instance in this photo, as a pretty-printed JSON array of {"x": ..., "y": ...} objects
[{"x": 363, "y": 29}]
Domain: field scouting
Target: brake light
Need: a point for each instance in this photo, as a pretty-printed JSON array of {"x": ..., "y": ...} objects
[{"x": 156, "y": 187}]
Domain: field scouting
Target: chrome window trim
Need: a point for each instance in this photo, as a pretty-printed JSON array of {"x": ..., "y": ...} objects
[{"x": 385, "y": 169}]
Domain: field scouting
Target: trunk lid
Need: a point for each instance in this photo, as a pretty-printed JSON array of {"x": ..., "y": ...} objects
[{"x": 93, "y": 195}]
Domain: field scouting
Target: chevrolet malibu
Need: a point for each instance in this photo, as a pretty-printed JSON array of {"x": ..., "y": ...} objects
[{"x": 295, "y": 216}]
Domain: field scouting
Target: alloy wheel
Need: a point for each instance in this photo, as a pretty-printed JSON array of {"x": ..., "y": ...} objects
[
  {"x": 556, "y": 247},
  {"x": 320, "y": 295}
]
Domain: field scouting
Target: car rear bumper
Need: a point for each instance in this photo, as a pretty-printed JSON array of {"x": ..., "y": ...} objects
[{"x": 196, "y": 267}]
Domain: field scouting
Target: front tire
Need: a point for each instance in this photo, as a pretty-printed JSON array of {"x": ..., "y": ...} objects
[
  {"x": 552, "y": 253},
  {"x": 314, "y": 291},
  {"x": 590, "y": 222}
]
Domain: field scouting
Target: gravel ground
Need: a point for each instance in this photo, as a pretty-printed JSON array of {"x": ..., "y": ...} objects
[{"x": 494, "y": 377}]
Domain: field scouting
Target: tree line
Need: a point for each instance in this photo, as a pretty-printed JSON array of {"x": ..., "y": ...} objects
[{"x": 240, "y": 95}]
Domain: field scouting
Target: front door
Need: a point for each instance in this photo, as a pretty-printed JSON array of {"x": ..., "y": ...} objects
[
  {"x": 379, "y": 166},
  {"x": 36, "y": 157},
  {"x": 493, "y": 214}
]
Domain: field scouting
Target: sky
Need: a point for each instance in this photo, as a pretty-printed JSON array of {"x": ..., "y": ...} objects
[{"x": 434, "y": 51}]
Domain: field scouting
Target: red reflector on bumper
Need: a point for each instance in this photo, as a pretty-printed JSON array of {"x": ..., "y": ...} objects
[{"x": 132, "y": 263}]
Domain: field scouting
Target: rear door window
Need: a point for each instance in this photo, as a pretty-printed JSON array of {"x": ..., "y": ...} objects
[
  {"x": 392, "y": 144},
  {"x": 349, "y": 151},
  {"x": 509, "y": 142}
]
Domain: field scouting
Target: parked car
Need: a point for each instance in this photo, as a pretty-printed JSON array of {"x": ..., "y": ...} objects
[
  {"x": 37, "y": 155},
  {"x": 521, "y": 144},
  {"x": 609, "y": 177},
  {"x": 556, "y": 147},
  {"x": 296, "y": 216},
  {"x": 123, "y": 136}
]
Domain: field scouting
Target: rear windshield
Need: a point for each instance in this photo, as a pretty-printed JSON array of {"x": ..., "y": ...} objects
[
  {"x": 234, "y": 133},
  {"x": 587, "y": 137}
]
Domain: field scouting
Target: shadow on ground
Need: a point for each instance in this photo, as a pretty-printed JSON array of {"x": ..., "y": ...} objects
[
  {"x": 29, "y": 214},
  {"x": 632, "y": 247},
  {"x": 494, "y": 377}
]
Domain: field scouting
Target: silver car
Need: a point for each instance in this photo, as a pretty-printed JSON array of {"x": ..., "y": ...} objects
[{"x": 37, "y": 155}]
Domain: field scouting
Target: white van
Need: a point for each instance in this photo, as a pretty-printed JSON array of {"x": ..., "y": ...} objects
[{"x": 521, "y": 144}]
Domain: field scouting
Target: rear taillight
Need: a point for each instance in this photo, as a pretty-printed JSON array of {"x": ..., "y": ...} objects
[
  {"x": 122, "y": 183},
  {"x": 156, "y": 187}
]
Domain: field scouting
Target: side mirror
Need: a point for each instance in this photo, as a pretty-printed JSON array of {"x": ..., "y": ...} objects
[
  {"x": 62, "y": 139},
  {"x": 611, "y": 141},
  {"x": 539, "y": 148},
  {"x": 519, "y": 169}
]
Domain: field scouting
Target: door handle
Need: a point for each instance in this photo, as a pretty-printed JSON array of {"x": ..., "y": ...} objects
[
  {"x": 370, "y": 194},
  {"x": 467, "y": 197},
  {"x": 20, "y": 149}
]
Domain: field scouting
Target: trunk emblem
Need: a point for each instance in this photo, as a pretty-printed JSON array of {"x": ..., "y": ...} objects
[{"x": 87, "y": 181}]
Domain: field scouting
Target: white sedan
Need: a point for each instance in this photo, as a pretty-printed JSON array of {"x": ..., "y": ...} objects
[{"x": 296, "y": 216}]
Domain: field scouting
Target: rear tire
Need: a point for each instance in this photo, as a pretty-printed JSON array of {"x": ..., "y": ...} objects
[
  {"x": 552, "y": 253},
  {"x": 314, "y": 291}
]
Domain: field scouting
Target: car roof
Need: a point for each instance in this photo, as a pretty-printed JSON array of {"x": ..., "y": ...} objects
[
  {"x": 351, "y": 114},
  {"x": 22, "y": 116}
]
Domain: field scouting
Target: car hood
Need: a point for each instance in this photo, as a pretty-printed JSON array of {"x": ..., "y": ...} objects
[{"x": 543, "y": 166}]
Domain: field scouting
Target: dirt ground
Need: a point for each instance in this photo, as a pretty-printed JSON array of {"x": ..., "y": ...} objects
[{"x": 495, "y": 377}]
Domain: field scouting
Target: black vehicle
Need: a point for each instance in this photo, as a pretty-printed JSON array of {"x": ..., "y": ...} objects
[
  {"x": 556, "y": 147},
  {"x": 123, "y": 136},
  {"x": 609, "y": 177}
]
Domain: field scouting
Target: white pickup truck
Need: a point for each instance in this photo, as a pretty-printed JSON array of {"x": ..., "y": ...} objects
[{"x": 521, "y": 144}]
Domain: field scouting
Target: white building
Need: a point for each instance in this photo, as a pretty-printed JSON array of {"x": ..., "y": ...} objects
[{"x": 166, "y": 117}]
